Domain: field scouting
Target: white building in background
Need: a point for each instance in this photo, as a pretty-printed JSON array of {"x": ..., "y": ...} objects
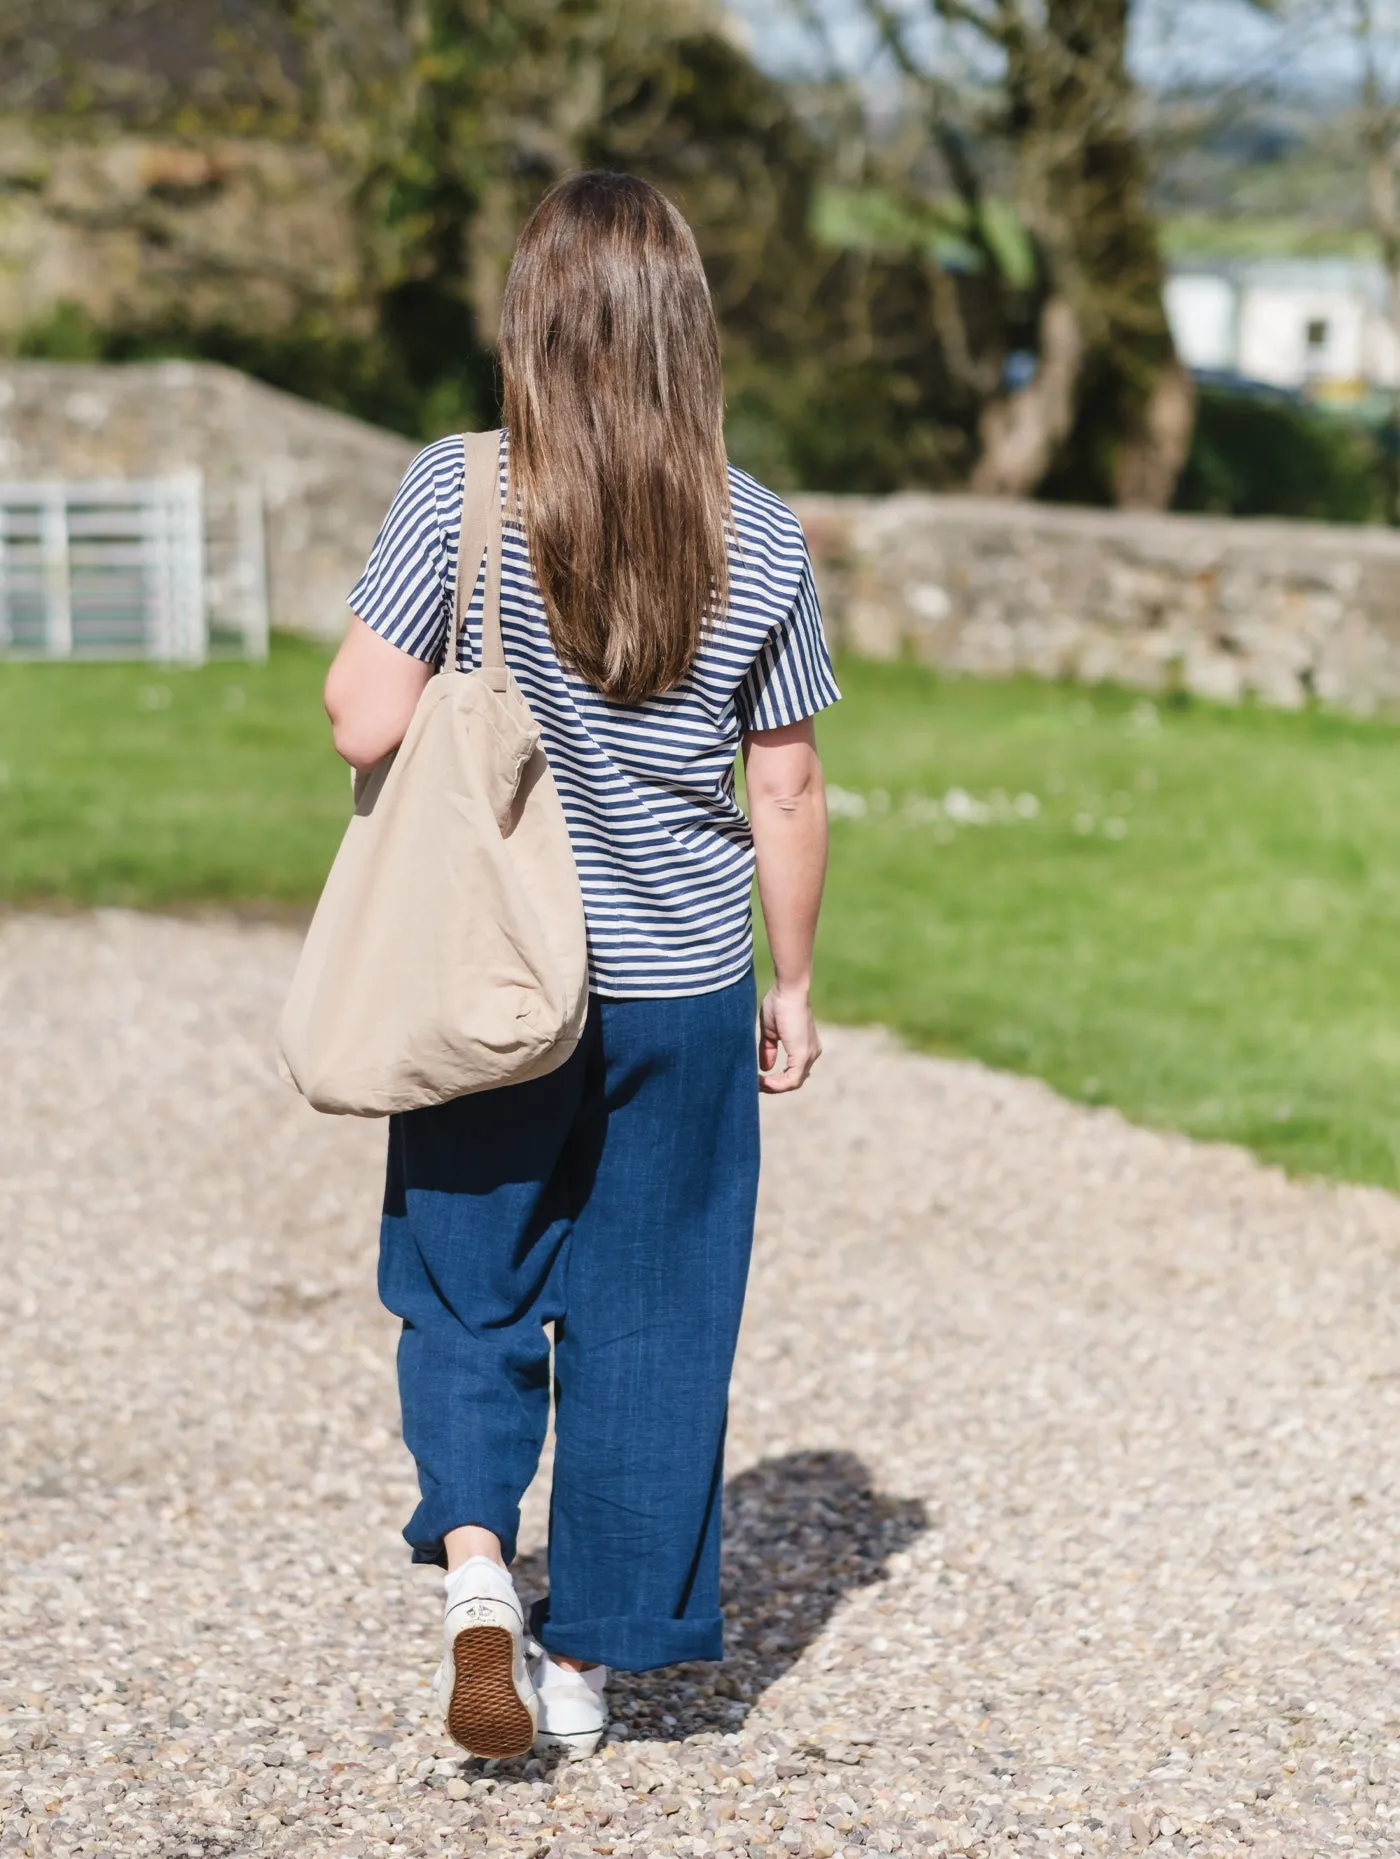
[{"x": 1305, "y": 323}]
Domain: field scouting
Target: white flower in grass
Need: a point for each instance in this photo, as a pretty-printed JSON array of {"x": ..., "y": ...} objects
[
  {"x": 957, "y": 808},
  {"x": 965, "y": 809},
  {"x": 844, "y": 804}
]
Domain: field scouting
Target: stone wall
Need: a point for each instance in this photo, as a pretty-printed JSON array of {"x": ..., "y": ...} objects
[
  {"x": 326, "y": 480},
  {"x": 1225, "y": 609},
  {"x": 1276, "y": 610}
]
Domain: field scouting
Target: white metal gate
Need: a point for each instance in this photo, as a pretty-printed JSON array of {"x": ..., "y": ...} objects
[
  {"x": 110, "y": 568},
  {"x": 235, "y": 569}
]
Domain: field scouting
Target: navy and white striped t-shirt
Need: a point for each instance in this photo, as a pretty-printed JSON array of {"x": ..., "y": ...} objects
[{"x": 664, "y": 854}]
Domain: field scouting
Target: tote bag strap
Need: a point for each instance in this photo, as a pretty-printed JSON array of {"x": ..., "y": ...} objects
[{"x": 481, "y": 535}]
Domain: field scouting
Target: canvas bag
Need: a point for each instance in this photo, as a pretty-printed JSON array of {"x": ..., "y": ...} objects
[{"x": 447, "y": 953}]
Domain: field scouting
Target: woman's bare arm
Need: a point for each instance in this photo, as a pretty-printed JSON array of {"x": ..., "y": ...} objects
[
  {"x": 787, "y": 810},
  {"x": 372, "y": 690}
]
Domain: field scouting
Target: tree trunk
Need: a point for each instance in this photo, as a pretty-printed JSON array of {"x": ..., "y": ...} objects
[
  {"x": 1084, "y": 195},
  {"x": 1022, "y": 433},
  {"x": 1380, "y": 135},
  {"x": 1149, "y": 459}
]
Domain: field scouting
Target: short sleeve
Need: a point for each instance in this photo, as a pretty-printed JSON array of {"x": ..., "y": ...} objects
[
  {"x": 791, "y": 678},
  {"x": 405, "y": 592}
]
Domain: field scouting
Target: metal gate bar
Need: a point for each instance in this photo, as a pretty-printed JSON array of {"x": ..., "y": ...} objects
[{"x": 104, "y": 568}]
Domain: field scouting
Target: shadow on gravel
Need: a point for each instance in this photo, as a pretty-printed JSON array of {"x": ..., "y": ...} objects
[{"x": 801, "y": 1533}]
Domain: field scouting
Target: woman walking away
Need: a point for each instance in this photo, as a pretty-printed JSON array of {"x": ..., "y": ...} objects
[{"x": 658, "y": 613}]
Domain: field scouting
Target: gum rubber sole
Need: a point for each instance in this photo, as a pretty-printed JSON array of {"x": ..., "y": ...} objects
[{"x": 486, "y": 1715}]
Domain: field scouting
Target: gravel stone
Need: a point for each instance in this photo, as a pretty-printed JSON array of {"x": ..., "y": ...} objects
[{"x": 1064, "y": 1514}]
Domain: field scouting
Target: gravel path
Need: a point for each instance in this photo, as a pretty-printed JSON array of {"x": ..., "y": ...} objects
[{"x": 1063, "y": 1485}]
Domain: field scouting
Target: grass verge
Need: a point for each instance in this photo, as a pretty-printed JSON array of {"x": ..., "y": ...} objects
[
  {"x": 1185, "y": 911},
  {"x": 1193, "y": 917}
]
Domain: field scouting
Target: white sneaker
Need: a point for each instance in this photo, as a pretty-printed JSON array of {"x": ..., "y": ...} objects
[
  {"x": 573, "y": 1712},
  {"x": 483, "y": 1687}
]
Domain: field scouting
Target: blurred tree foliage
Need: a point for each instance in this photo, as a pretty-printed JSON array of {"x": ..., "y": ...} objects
[
  {"x": 959, "y": 282},
  {"x": 1034, "y": 97},
  {"x": 442, "y": 121}
]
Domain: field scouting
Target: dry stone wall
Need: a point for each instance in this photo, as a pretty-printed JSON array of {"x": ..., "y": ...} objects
[
  {"x": 325, "y": 480},
  {"x": 1222, "y": 608},
  {"x": 1278, "y": 611}
]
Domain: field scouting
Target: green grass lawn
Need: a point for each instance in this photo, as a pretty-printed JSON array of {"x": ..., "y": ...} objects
[
  {"x": 1198, "y": 924},
  {"x": 1182, "y": 910},
  {"x": 135, "y": 784}
]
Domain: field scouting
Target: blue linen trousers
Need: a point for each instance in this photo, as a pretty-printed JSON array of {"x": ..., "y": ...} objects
[{"x": 615, "y": 1199}]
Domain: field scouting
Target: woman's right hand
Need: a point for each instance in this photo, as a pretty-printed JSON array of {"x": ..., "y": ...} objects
[{"x": 785, "y": 1019}]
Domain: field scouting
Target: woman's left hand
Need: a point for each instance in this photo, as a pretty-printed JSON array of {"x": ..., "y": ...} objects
[{"x": 785, "y": 1020}]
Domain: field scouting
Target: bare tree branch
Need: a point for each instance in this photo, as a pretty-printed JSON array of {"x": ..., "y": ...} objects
[
  {"x": 992, "y": 26},
  {"x": 814, "y": 23}
]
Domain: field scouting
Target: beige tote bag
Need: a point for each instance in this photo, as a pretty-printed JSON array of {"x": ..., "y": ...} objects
[{"x": 447, "y": 953}]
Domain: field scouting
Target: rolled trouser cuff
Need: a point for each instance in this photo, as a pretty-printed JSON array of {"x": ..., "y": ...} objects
[
  {"x": 445, "y": 1511},
  {"x": 630, "y": 1642}
]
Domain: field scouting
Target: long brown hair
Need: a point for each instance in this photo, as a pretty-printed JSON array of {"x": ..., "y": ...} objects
[{"x": 615, "y": 408}]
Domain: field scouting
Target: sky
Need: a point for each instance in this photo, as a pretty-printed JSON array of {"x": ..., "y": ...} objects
[{"x": 1174, "y": 41}]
